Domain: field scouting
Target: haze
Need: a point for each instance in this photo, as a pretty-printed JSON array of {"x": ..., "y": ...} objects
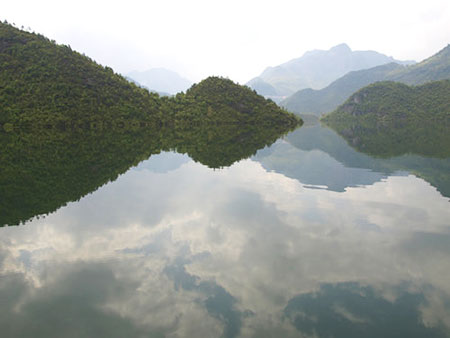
[{"x": 235, "y": 39}]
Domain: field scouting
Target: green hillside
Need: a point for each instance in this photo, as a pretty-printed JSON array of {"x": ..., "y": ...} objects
[
  {"x": 390, "y": 118},
  {"x": 435, "y": 68},
  {"x": 218, "y": 99},
  {"x": 43, "y": 84}
]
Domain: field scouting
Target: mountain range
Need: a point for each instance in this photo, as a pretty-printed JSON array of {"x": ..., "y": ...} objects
[
  {"x": 315, "y": 69},
  {"x": 436, "y": 67}
]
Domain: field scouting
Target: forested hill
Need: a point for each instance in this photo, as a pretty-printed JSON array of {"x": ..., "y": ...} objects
[
  {"x": 391, "y": 119},
  {"x": 45, "y": 84},
  {"x": 430, "y": 101},
  {"x": 219, "y": 99},
  {"x": 434, "y": 68}
]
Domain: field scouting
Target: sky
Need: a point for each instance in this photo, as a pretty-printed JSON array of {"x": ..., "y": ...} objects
[{"x": 237, "y": 39}]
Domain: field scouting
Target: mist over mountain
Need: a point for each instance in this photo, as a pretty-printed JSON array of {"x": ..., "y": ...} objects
[
  {"x": 434, "y": 68},
  {"x": 327, "y": 99},
  {"x": 316, "y": 69},
  {"x": 161, "y": 80}
]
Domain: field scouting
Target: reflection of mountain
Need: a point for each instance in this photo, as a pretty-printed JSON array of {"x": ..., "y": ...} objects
[
  {"x": 315, "y": 168},
  {"x": 318, "y": 156},
  {"x": 40, "y": 172},
  {"x": 221, "y": 146},
  {"x": 351, "y": 310}
]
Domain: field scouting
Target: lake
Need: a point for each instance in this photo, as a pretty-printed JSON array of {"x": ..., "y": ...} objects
[{"x": 304, "y": 236}]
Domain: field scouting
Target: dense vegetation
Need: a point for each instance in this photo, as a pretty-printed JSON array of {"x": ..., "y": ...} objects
[
  {"x": 389, "y": 119},
  {"x": 45, "y": 84},
  {"x": 217, "y": 99},
  {"x": 435, "y": 68},
  {"x": 42, "y": 83}
]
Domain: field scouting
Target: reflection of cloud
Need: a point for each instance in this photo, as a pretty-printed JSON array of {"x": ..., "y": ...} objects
[
  {"x": 228, "y": 249},
  {"x": 164, "y": 162},
  {"x": 347, "y": 315},
  {"x": 350, "y": 310},
  {"x": 219, "y": 303}
]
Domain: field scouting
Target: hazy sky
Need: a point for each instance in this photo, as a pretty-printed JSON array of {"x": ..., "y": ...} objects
[{"x": 233, "y": 38}]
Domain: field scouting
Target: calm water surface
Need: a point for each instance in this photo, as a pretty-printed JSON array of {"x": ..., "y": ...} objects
[{"x": 307, "y": 238}]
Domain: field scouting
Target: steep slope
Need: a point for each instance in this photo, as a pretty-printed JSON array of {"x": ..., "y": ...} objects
[
  {"x": 161, "y": 80},
  {"x": 390, "y": 118},
  {"x": 317, "y": 69},
  {"x": 434, "y": 68}
]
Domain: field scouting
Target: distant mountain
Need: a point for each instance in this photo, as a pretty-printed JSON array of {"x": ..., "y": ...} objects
[
  {"x": 161, "y": 80},
  {"x": 327, "y": 99},
  {"x": 437, "y": 67},
  {"x": 317, "y": 69},
  {"x": 150, "y": 90},
  {"x": 434, "y": 68},
  {"x": 390, "y": 118},
  {"x": 262, "y": 87}
]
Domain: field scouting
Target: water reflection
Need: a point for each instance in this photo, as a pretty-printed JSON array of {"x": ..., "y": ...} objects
[
  {"x": 351, "y": 310},
  {"x": 41, "y": 171},
  {"x": 318, "y": 156},
  {"x": 242, "y": 251}
]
